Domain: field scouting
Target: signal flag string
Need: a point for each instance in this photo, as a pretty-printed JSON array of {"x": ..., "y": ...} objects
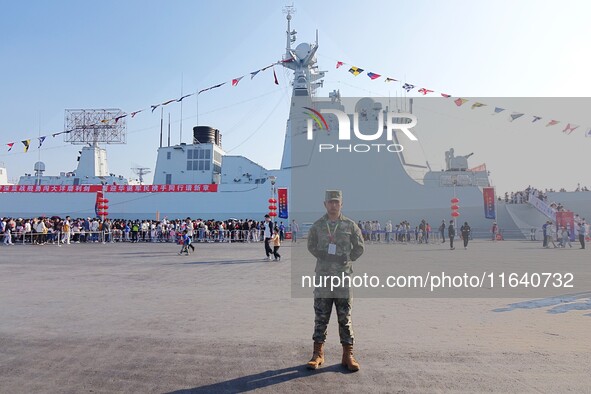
[
  {"x": 458, "y": 101},
  {"x": 234, "y": 82}
]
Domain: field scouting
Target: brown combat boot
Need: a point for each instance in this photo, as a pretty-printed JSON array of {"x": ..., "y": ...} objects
[
  {"x": 317, "y": 357},
  {"x": 348, "y": 359}
]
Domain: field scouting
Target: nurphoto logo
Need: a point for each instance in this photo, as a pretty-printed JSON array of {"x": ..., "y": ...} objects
[{"x": 395, "y": 121}]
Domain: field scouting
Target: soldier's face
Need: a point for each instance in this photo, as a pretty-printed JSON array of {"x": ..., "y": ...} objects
[{"x": 333, "y": 207}]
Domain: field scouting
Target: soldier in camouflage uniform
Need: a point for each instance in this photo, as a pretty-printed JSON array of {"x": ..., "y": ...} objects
[{"x": 335, "y": 241}]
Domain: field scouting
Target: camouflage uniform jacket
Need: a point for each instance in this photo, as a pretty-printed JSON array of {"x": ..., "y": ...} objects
[{"x": 348, "y": 240}]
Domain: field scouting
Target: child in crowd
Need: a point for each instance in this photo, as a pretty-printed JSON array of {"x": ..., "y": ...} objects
[
  {"x": 186, "y": 242},
  {"x": 565, "y": 237},
  {"x": 276, "y": 240}
]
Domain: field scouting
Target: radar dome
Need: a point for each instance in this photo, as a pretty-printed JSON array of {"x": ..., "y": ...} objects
[
  {"x": 302, "y": 50},
  {"x": 39, "y": 166},
  {"x": 367, "y": 104}
]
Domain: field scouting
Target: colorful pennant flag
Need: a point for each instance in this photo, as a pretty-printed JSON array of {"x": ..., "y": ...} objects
[
  {"x": 236, "y": 80},
  {"x": 552, "y": 123},
  {"x": 570, "y": 128},
  {"x": 460, "y": 101},
  {"x": 355, "y": 70},
  {"x": 481, "y": 167},
  {"x": 408, "y": 87}
]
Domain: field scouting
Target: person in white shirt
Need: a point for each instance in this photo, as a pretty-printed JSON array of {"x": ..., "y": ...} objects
[
  {"x": 550, "y": 234},
  {"x": 582, "y": 234},
  {"x": 94, "y": 227},
  {"x": 190, "y": 232},
  {"x": 294, "y": 231},
  {"x": 7, "y": 227},
  {"x": 268, "y": 232},
  {"x": 66, "y": 231}
]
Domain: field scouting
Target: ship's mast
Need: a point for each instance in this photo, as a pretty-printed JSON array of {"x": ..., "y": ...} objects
[
  {"x": 307, "y": 78},
  {"x": 141, "y": 171},
  {"x": 89, "y": 127},
  {"x": 301, "y": 60},
  {"x": 289, "y": 10}
]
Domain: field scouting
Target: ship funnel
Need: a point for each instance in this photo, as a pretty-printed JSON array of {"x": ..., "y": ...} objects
[{"x": 207, "y": 135}]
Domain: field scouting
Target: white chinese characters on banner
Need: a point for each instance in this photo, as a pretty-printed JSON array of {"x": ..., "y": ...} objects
[{"x": 191, "y": 188}]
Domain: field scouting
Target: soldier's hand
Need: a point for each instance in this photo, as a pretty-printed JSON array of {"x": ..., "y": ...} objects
[{"x": 322, "y": 255}]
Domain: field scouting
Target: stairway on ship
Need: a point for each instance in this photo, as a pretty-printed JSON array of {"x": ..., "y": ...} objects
[{"x": 525, "y": 216}]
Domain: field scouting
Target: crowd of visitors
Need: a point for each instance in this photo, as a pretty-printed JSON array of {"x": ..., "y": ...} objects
[
  {"x": 553, "y": 233},
  {"x": 404, "y": 232},
  {"x": 522, "y": 196},
  {"x": 52, "y": 230},
  {"x": 56, "y": 230}
]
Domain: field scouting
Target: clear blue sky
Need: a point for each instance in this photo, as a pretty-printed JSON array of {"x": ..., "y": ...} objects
[{"x": 131, "y": 54}]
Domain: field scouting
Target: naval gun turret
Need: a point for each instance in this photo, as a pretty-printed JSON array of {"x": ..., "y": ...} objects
[{"x": 456, "y": 163}]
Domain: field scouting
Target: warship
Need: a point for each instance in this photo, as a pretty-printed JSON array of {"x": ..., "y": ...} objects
[{"x": 202, "y": 180}]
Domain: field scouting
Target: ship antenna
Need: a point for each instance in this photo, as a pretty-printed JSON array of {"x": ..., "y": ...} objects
[
  {"x": 141, "y": 171},
  {"x": 181, "y": 123},
  {"x": 39, "y": 150},
  {"x": 161, "y": 123},
  {"x": 289, "y": 10},
  {"x": 169, "y": 130}
]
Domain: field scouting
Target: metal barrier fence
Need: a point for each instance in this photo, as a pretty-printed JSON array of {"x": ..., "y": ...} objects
[
  {"x": 229, "y": 236},
  {"x": 202, "y": 235},
  {"x": 58, "y": 237},
  {"x": 116, "y": 235}
]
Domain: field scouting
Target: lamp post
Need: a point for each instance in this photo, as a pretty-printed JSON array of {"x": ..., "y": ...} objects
[{"x": 273, "y": 200}]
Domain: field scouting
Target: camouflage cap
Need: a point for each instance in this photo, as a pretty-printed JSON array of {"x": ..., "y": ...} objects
[{"x": 333, "y": 195}]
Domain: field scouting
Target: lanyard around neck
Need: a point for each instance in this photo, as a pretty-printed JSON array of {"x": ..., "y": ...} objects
[{"x": 332, "y": 234}]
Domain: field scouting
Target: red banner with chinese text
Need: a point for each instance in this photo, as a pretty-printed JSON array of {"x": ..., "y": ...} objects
[
  {"x": 488, "y": 193},
  {"x": 182, "y": 188},
  {"x": 282, "y": 197},
  {"x": 566, "y": 219}
]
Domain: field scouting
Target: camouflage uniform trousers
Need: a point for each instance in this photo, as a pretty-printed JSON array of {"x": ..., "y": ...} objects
[{"x": 323, "y": 309}]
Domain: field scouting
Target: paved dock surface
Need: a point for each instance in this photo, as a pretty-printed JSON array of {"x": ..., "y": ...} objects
[{"x": 138, "y": 318}]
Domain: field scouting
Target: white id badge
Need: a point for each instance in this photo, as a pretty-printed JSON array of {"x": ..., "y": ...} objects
[{"x": 332, "y": 249}]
